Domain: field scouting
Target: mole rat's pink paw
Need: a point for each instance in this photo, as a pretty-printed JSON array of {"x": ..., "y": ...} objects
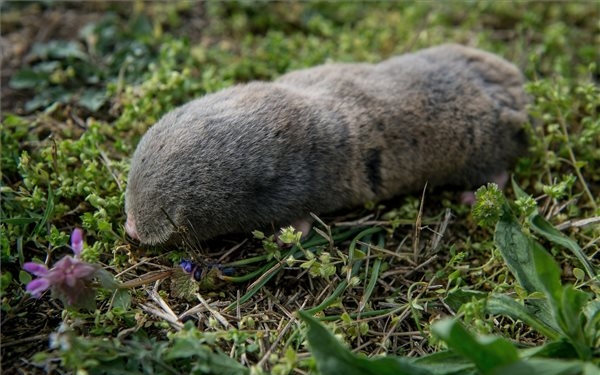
[
  {"x": 500, "y": 179},
  {"x": 130, "y": 228},
  {"x": 304, "y": 226},
  {"x": 467, "y": 197}
]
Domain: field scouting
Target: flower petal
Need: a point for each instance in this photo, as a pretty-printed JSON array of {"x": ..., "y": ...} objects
[
  {"x": 56, "y": 275},
  {"x": 64, "y": 264},
  {"x": 37, "y": 286},
  {"x": 187, "y": 265},
  {"x": 77, "y": 241},
  {"x": 82, "y": 270},
  {"x": 70, "y": 281},
  {"x": 36, "y": 268}
]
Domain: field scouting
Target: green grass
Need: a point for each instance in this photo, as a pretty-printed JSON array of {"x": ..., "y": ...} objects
[{"x": 384, "y": 281}]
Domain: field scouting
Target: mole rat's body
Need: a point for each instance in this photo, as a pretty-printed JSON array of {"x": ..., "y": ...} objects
[{"x": 326, "y": 138}]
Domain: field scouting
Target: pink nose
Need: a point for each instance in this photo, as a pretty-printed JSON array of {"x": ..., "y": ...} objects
[{"x": 130, "y": 227}]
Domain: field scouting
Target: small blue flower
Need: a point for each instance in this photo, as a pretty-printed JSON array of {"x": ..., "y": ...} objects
[{"x": 187, "y": 265}]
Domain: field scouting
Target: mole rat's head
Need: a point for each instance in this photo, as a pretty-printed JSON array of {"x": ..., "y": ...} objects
[
  {"x": 161, "y": 184},
  {"x": 180, "y": 179},
  {"x": 148, "y": 206},
  {"x": 145, "y": 222},
  {"x": 202, "y": 170}
]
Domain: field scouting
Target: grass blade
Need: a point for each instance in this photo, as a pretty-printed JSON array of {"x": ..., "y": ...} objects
[
  {"x": 373, "y": 277},
  {"x": 48, "y": 212},
  {"x": 337, "y": 292},
  {"x": 272, "y": 268},
  {"x": 371, "y": 283}
]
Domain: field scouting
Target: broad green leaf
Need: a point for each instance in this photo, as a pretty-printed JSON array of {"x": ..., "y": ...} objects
[
  {"x": 206, "y": 360},
  {"x": 592, "y": 325},
  {"x": 333, "y": 358},
  {"x": 579, "y": 273},
  {"x": 590, "y": 369},
  {"x": 93, "y": 99},
  {"x": 446, "y": 362},
  {"x": 106, "y": 279},
  {"x": 53, "y": 94},
  {"x": 487, "y": 352},
  {"x": 20, "y": 220},
  {"x": 184, "y": 286},
  {"x": 219, "y": 363},
  {"x": 544, "y": 228},
  {"x": 520, "y": 193},
  {"x": 121, "y": 299},
  {"x": 24, "y": 276},
  {"x": 504, "y": 305},
  {"x": 47, "y": 66},
  {"x": 28, "y": 79},
  {"x": 573, "y": 320},
  {"x": 548, "y": 273},
  {"x": 567, "y": 302},
  {"x": 515, "y": 248},
  {"x": 5, "y": 280},
  {"x": 553, "y": 349},
  {"x": 141, "y": 25},
  {"x": 12, "y": 120},
  {"x": 37, "y": 102},
  {"x": 186, "y": 347},
  {"x": 458, "y": 297},
  {"x": 542, "y": 366},
  {"x": 58, "y": 49}
]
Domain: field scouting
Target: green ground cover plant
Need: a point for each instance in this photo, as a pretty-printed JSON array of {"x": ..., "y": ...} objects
[{"x": 416, "y": 285}]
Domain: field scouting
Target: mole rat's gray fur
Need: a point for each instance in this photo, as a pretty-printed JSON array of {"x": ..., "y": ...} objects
[{"x": 323, "y": 139}]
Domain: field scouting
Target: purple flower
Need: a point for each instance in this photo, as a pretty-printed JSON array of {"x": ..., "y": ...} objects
[
  {"x": 37, "y": 286},
  {"x": 68, "y": 279},
  {"x": 77, "y": 241},
  {"x": 36, "y": 269}
]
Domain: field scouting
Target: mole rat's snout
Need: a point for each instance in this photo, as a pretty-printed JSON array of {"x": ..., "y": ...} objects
[{"x": 130, "y": 227}]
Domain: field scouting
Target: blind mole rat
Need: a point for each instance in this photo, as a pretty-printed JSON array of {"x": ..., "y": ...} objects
[{"x": 325, "y": 138}]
